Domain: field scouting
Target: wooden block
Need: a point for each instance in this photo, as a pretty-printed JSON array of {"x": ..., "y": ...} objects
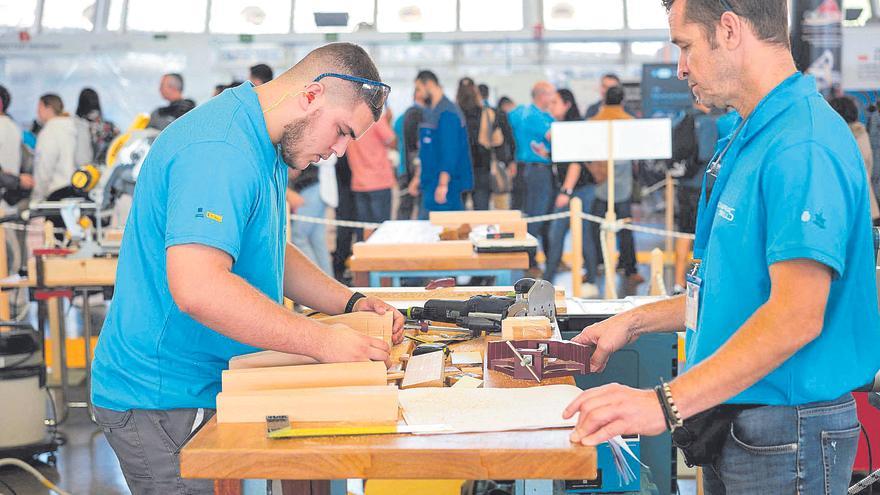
[
  {"x": 474, "y": 217},
  {"x": 518, "y": 229},
  {"x": 269, "y": 359},
  {"x": 468, "y": 382},
  {"x": 426, "y": 370},
  {"x": 445, "y": 249},
  {"x": 467, "y": 357},
  {"x": 526, "y": 328},
  {"x": 305, "y": 376},
  {"x": 367, "y": 323},
  {"x": 370, "y": 405}
]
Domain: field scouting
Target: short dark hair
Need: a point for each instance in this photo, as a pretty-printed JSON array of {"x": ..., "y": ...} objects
[
  {"x": 611, "y": 75},
  {"x": 614, "y": 96},
  {"x": 346, "y": 58},
  {"x": 426, "y": 75},
  {"x": 768, "y": 18},
  {"x": 466, "y": 96},
  {"x": 5, "y": 99},
  {"x": 177, "y": 78},
  {"x": 54, "y": 102},
  {"x": 504, "y": 100},
  {"x": 88, "y": 102},
  {"x": 484, "y": 91},
  {"x": 846, "y": 107},
  {"x": 262, "y": 72}
]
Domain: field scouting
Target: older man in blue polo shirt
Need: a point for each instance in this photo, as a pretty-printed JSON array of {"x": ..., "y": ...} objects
[
  {"x": 531, "y": 127},
  {"x": 781, "y": 313},
  {"x": 204, "y": 263}
]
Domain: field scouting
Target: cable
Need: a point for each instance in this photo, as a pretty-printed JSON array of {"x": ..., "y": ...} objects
[
  {"x": 11, "y": 490},
  {"x": 36, "y": 474}
]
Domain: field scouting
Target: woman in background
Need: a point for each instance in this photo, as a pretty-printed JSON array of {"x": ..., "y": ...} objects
[{"x": 101, "y": 131}]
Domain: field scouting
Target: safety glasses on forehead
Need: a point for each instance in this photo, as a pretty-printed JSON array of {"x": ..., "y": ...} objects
[
  {"x": 727, "y": 6},
  {"x": 375, "y": 92}
]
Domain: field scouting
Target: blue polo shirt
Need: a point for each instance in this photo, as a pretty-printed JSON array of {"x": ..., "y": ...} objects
[
  {"x": 530, "y": 124},
  {"x": 211, "y": 178},
  {"x": 791, "y": 186}
]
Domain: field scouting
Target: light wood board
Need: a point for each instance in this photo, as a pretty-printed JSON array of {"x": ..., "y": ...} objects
[
  {"x": 369, "y": 405},
  {"x": 366, "y": 322},
  {"x": 526, "y": 328},
  {"x": 305, "y": 376},
  {"x": 426, "y": 370},
  {"x": 268, "y": 359},
  {"x": 465, "y": 410}
]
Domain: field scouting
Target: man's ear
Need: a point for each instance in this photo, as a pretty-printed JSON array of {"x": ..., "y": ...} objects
[
  {"x": 312, "y": 92},
  {"x": 730, "y": 30}
]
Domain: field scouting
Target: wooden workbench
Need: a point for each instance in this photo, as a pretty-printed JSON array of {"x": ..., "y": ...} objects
[{"x": 231, "y": 452}]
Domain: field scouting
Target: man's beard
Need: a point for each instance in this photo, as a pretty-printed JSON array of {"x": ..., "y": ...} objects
[{"x": 292, "y": 138}]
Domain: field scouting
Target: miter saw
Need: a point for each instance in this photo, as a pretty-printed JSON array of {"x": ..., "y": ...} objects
[
  {"x": 483, "y": 313},
  {"x": 100, "y": 187}
]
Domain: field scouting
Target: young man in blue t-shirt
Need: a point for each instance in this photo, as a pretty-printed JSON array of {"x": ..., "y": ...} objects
[
  {"x": 204, "y": 264},
  {"x": 781, "y": 313}
]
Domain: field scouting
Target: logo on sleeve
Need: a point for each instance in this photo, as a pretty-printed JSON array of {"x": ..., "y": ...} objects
[
  {"x": 202, "y": 213},
  {"x": 818, "y": 218}
]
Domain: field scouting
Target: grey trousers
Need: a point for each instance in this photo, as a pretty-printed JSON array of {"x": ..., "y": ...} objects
[{"x": 147, "y": 444}]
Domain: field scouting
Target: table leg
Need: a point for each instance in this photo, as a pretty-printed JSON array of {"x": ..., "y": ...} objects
[
  {"x": 305, "y": 487},
  {"x": 87, "y": 330},
  {"x": 375, "y": 279},
  {"x": 227, "y": 487}
]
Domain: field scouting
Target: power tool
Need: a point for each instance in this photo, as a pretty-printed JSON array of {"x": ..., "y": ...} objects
[{"x": 483, "y": 313}]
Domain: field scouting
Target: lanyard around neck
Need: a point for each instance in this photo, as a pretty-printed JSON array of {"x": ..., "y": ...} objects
[{"x": 709, "y": 200}]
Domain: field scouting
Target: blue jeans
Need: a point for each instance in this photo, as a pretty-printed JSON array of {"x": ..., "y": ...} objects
[
  {"x": 539, "y": 198},
  {"x": 311, "y": 238},
  {"x": 807, "y": 449},
  {"x": 372, "y": 206},
  {"x": 560, "y": 227}
]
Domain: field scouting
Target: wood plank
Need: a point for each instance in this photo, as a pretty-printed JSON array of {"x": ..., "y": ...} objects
[
  {"x": 437, "y": 249},
  {"x": 62, "y": 272},
  {"x": 305, "y": 376},
  {"x": 426, "y": 370},
  {"x": 373, "y": 404},
  {"x": 526, "y": 328},
  {"x": 416, "y": 261},
  {"x": 366, "y": 322},
  {"x": 268, "y": 359},
  {"x": 467, "y": 357},
  {"x": 474, "y": 217}
]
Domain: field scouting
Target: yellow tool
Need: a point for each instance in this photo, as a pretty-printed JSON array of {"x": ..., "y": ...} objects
[{"x": 86, "y": 178}]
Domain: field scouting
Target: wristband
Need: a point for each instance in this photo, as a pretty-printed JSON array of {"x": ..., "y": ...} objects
[{"x": 357, "y": 296}]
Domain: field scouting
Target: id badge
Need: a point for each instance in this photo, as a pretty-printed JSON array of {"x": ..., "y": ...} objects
[{"x": 692, "y": 298}]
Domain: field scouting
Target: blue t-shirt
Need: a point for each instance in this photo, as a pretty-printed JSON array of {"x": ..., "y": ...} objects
[
  {"x": 530, "y": 125},
  {"x": 211, "y": 178},
  {"x": 792, "y": 186}
]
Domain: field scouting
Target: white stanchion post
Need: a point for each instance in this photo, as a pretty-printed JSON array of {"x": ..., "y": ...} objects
[{"x": 577, "y": 249}]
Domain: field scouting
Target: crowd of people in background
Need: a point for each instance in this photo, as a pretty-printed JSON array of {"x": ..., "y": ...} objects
[{"x": 440, "y": 154}]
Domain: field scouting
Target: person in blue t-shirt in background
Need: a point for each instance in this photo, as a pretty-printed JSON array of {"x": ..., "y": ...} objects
[
  {"x": 531, "y": 126},
  {"x": 781, "y": 313},
  {"x": 444, "y": 152},
  {"x": 204, "y": 264}
]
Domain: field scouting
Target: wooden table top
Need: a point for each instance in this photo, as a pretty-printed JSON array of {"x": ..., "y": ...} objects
[
  {"x": 419, "y": 261},
  {"x": 237, "y": 451}
]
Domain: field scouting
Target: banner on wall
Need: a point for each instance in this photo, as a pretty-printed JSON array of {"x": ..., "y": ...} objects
[
  {"x": 816, "y": 39},
  {"x": 861, "y": 58},
  {"x": 663, "y": 94}
]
